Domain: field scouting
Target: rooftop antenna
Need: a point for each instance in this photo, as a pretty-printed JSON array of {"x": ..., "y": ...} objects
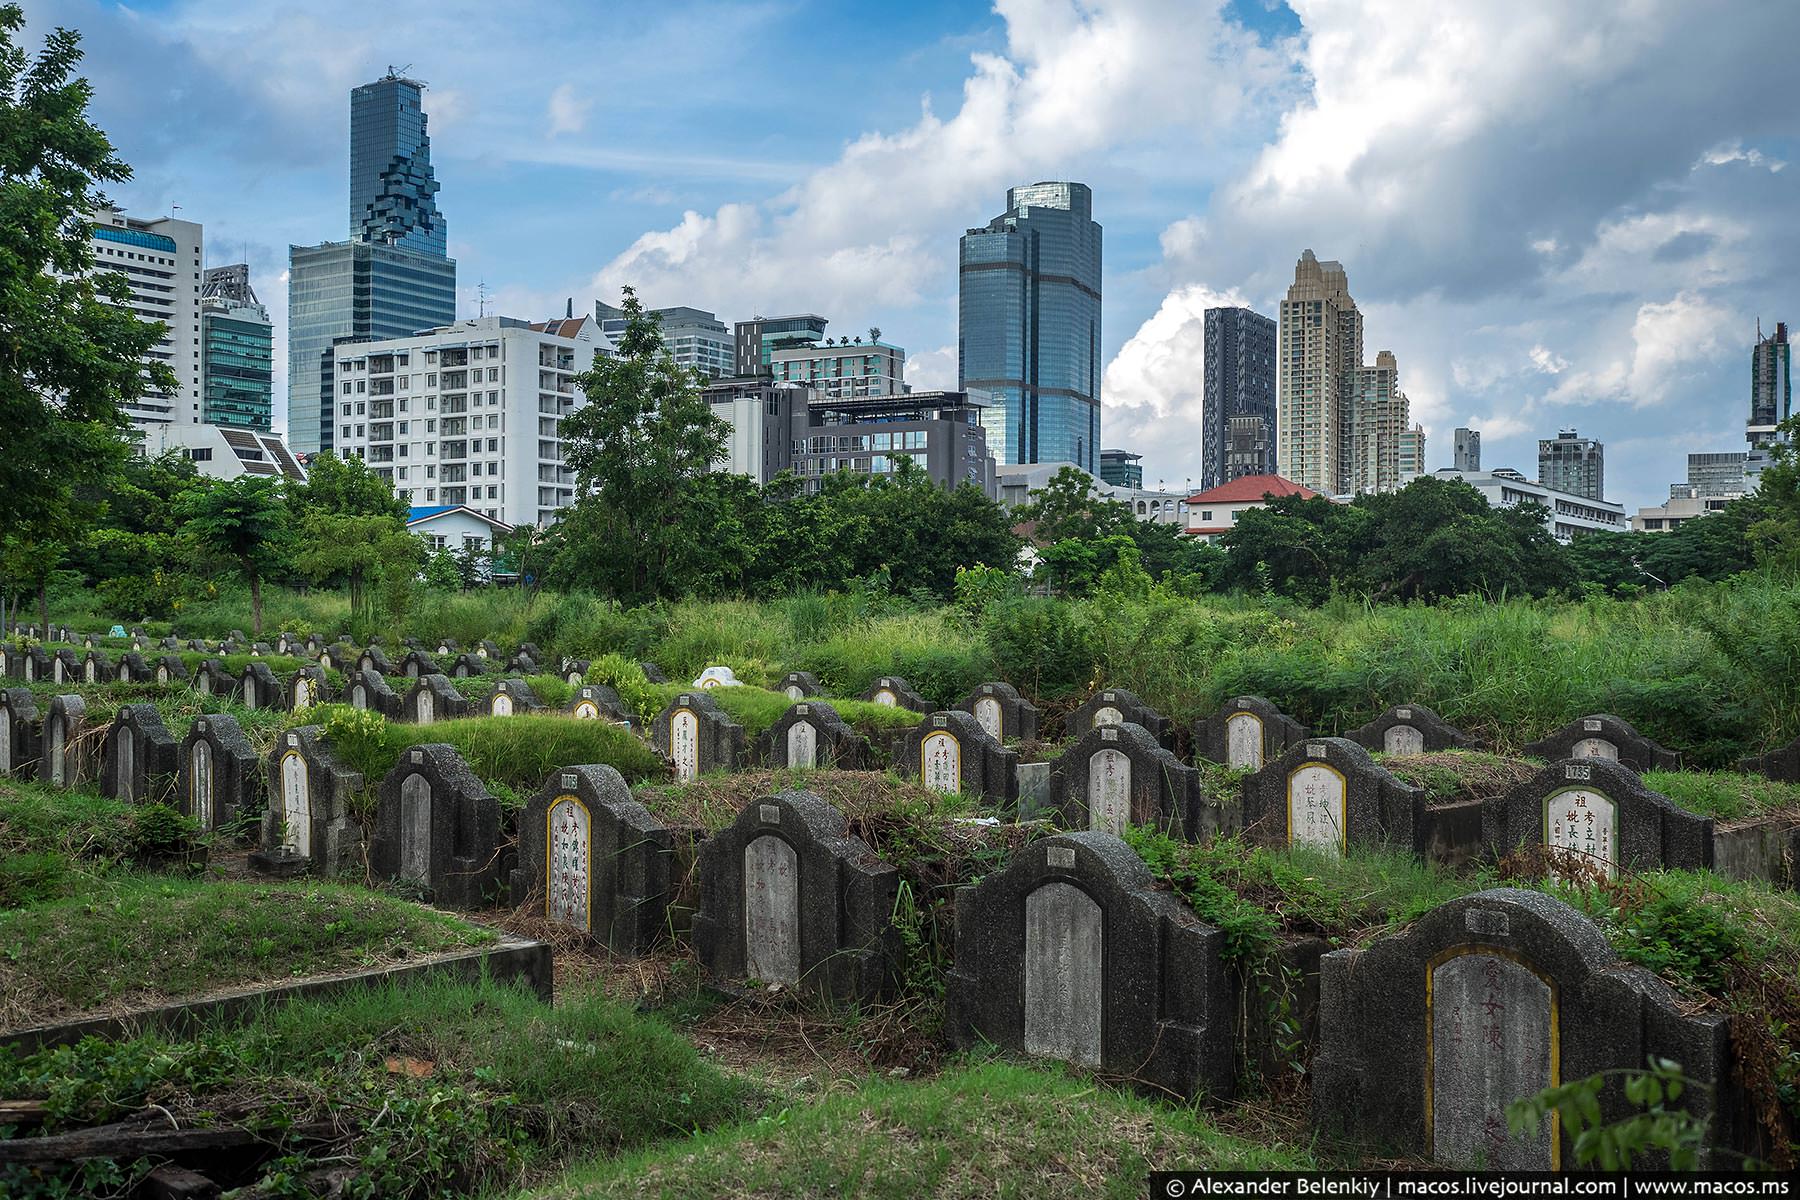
[{"x": 481, "y": 293}]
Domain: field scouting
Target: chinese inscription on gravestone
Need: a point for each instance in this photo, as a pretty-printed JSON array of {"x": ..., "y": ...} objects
[{"x": 1490, "y": 1042}]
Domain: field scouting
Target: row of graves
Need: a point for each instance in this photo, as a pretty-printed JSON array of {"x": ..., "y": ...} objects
[{"x": 1073, "y": 950}]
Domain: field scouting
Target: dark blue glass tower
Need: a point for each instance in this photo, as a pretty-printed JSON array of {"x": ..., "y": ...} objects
[
  {"x": 1028, "y": 331},
  {"x": 393, "y": 194}
]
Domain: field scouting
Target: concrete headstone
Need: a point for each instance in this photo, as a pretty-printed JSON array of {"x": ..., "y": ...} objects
[
  {"x": 1411, "y": 729},
  {"x": 698, "y": 736},
  {"x": 950, "y": 752},
  {"x": 137, "y": 758},
  {"x": 811, "y": 734},
  {"x": 800, "y": 685},
  {"x": 218, "y": 777},
  {"x": 1007, "y": 716},
  {"x": 307, "y": 825},
  {"x": 1119, "y": 775},
  {"x": 1328, "y": 793},
  {"x": 895, "y": 692},
  {"x": 437, "y": 828},
  {"x": 1604, "y": 736},
  {"x": 1116, "y": 706},
  {"x": 1596, "y": 815}
]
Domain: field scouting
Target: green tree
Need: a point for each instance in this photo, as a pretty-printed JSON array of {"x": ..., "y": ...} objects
[
  {"x": 346, "y": 487},
  {"x": 351, "y": 526},
  {"x": 1774, "y": 535},
  {"x": 441, "y": 571},
  {"x": 243, "y": 521}
]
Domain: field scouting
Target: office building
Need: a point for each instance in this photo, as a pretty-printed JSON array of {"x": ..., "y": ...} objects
[
  {"x": 1714, "y": 474},
  {"x": 391, "y": 279},
  {"x": 1378, "y": 416},
  {"x": 756, "y": 341},
  {"x": 762, "y": 415},
  {"x": 1771, "y": 397},
  {"x": 1570, "y": 513},
  {"x": 695, "y": 338},
  {"x": 1677, "y": 511},
  {"x": 1239, "y": 386},
  {"x": 941, "y": 432},
  {"x": 237, "y": 351},
  {"x": 467, "y": 414},
  {"x": 1573, "y": 464},
  {"x": 845, "y": 370},
  {"x": 1318, "y": 352},
  {"x": 161, "y": 259},
  {"x": 1028, "y": 330},
  {"x": 1122, "y": 468},
  {"x": 1465, "y": 451}
]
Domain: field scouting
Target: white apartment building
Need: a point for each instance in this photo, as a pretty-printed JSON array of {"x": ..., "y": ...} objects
[
  {"x": 468, "y": 414},
  {"x": 163, "y": 260},
  {"x": 1570, "y": 514}
]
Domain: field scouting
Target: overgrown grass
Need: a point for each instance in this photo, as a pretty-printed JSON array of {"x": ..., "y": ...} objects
[
  {"x": 1726, "y": 796},
  {"x": 52, "y": 842},
  {"x": 132, "y": 941},
  {"x": 1449, "y": 776},
  {"x": 991, "y": 1129}
]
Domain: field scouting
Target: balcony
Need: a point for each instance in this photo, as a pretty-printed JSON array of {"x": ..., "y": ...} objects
[
  {"x": 454, "y": 495},
  {"x": 457, "y": 473},
  {"x": 383, "y": 432},
  {"x": 454, "y": 358},
  {"x": 381, "y": 408},
  {"x": 453, "y": 381},
  {"x": 454, "y": 404},
  {"x": 453, "y": 426},
  {"x": 449, "y": 451}
]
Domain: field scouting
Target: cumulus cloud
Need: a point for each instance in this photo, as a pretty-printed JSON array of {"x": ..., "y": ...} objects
[{"x": 567, "y": 110}]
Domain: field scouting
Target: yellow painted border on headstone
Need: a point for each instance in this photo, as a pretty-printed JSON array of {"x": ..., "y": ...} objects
[
  {"x": 1438, "y": 960},
  {"x": 588, "y": 908},
  {"x": 954, "y": 741},
  {"x": 1287, "y": 797},
  {"x": 1577, "y": 785}
]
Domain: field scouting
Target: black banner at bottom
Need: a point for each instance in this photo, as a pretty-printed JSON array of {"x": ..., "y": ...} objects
[{"x": 1493, "y": 1185}]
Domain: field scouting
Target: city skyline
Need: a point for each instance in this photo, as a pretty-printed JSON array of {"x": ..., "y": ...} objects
[{"x": 1577, "y": 250}]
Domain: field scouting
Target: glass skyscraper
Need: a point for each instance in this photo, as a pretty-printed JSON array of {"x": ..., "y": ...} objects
[
  {"x": 1028, "y": 329},
  {"x": 1239, "y": 382},
  {"x": 391, "y": 279}
]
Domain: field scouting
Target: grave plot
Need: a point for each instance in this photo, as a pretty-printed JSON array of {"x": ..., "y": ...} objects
[
  {"x": 437, "y": 828},
  {"x": 1411, "y": 729},
  {"x": 467, "y": 666},
  {"x": 307, "y": 825},
  {"x": 368, "y": 690},
  {"x": 137, "y": 758},
  {"x": 896, "y": 692},
  {"x": 133, "y": 669},
  {"x": 597, "y": 702},
  {"x": 417, "y": 664},
  {"x": 65, "y": 666},
  {"x": 307, "y": 687},
  {"x": 219, "y": 776},
  {"x": 1782, "y": 765},
  {"x": 1426, "y": 1037},
  {"x": 1595, "y": 815},
  {"x": 1457, "y": 783},
  {"x": 786, "y": 897},
  {"x": 212, "y": 679},
  {"x": 1007, "y": 716},
  {"x": 1071, "y": 953},
  {"x": 288, "y": 644},
  {"x": 717, "y": 677},
  {"x": 800, "y": 685},
  {"x": 98, "y": 667},
  {"x": 18, "y": 733},
  {"x": 376, "y": 659},
  {"x": 811, "y": 734},
  {"x": 1246, "y": 733},
  {"x": 1603, "y": 735},
  {"x": 67, "y": 760},
  {"x": 1115, "y": 706},
  {"x": 448, "y": 646},
  {"x": 170, "y": 669},
  {"x": 950, "y": 752},
  {"x": 698, "y": 737},
  {"x": 523, "y": 664},
  {"x": 593, "y": 859},
  {"x": 433, "y": 698},
  {"x": 652, "y": 672},
  {"x": 1329, "y": 794},
  {"x": 574, "y": 671},
  {"x": 258, "y": 688},
  {"x": 1118, "y": 775},
  {"x": 489, "y": 650},
  {"x": 507, "y": 697}
]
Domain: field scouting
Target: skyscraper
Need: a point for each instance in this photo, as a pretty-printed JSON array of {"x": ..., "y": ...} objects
[
  {"x": 1465, "y": 451},
  {"x": 161, "y": 259},
  {"x": 1239, "y": 382},
  {"x": 391, "y": 279},
  {"x": 1771, "y": 385},
  {"x": 1320, "y": 348},
  {"x": 1379, "y": 415},
  {"x": 238, "y": 357},
  {"x": 1028, "y": 330},
  {"x": 1573, "y": 464}
]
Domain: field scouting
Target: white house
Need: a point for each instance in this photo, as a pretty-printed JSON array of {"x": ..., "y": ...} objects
[
  {"x": 1214, "y": 513},
  {"x": 455, "y": 527}
]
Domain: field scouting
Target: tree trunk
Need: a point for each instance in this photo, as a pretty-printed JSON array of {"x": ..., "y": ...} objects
[
  {"x": 44, "y": 607},
  {"x": 255, "y": 602}
]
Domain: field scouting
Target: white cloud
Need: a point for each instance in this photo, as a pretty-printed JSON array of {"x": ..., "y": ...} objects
[
  {"x": 930, "y": 370},
  {"x": 567, "y": 110},
  {"x": 1547, "y": 360},
  {"x": 1672, "y": 340},
  {"x": 1734, "y": 151}
]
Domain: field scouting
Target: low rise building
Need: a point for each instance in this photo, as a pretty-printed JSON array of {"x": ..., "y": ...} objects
[
  {"x": 1570, "y": 514},
  {"x": 1015, "y": 483},
  {"x": 455, "y": 527},
  {"x": 843, "y": 370},
  {"x": 1122, "y": 468},
  {"x": 1677, "y": 511},
  {"x": 1213, "y": 513},
  {"x": 762, "y": 414},
  {"x": 224, "y": 452},
  {"x": 939, "y": 431}
]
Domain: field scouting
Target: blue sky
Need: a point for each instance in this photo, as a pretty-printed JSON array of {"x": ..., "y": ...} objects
[{"x": 1555, "y": 213}]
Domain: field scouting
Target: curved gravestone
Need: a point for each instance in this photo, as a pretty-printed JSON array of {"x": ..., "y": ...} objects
[
  {"x": 65, "y": 665},
  {"x": 1411, "y": 729},
  {"x": 432, "y": 699},
  {"x": 437, "y": 828},
  {"x": 417, "y": 664},
  {"x": 259, "y": 689},
  {"x": 137, "y": 755},
  {"x": 212, "y": 679},
  {"x": 307, "y": 826},
  {"x": 895, "y": 692},
  {"x": 18, "y": 733},
  {"x": 574, "y": 671},
  {"x": 466, "y": 666},
  {"x": 1246, "y": 733},
  {"x": 1427, "y": 1036},
  {"x": 800, "y": 685},
  {"x": 950, "y": 752},
  {"x": 133, "y": 669},
  {"x": 597, "y": 702},
  {"x": 1118, "y": 775},
  {"x": 170, "y": 669},
  {"x": 369, "y": 690},
  {"x": 98, "y": 667},
  {"x": 716, "y": 677},
  {"x": 1072, "y": 953},
  {"x": 489, "y": 650},
  {"x": 1595, "y": 814},
  {"x": 1329, "y": 794},
  {"x": 64, "y": 761},
  {"x": 288, "y": 644},
  {"x": 696, "y": 735},
  {"x": 1603, "y": 735},
  {"x": 447, "y": 646},
  {"x": 787, "y": 897},
  {"x": 523, "y": 664},
  {"x": 1116, "y": 706},
  {"x": 652, "y": 672},
  {"x": 307, "y": 687},
  {"x": 217, "y": 775},
  {"x": 1781, "y": 765},
  {"x": 593, "y": 859},
  {"x": 811, "y": 734},
  {"x": 376, "y": 659},
  {"x": 34, "y": 665},
  {"x": 1007, "y": 716},
  {"x": 509, "y": 697}
]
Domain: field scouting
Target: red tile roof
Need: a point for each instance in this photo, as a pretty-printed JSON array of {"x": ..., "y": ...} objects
[{"x": 1251, "y": 488}]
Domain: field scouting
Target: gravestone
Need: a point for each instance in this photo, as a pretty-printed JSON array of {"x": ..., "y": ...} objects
[
  {"x": 488, "y": 650},
  {"x": 508, "y": 697},
  {"x": 433, "y": 698},
  {"x": 307, "y": 825},
  {"x": 315, "y": 643},
  {"x": 717, "y": 677},
  {"x": 65, "y": 665},
  {"x": 137, "y": 757},
  {"x": 169, "y": 643},
  {"x": 217, "y": 775},
  {"x": 950, "y": 752},
  {"x": 1118, "y": 775},
  {"x": 1595, "y": 812},
  {"x": 376, "y": 659},
  {"x": 447, "y": 646},
  {"x": 1072, "y": 953},
  {"x": 811, "y": 734},
  {"x": 133, "y": 669},
  {"x": 287, "y": 644},
  {"x": 652, "y": 672},
  {"x": 597, "y": 702},
  {"x": 574, "y": 671},
  {"x": 259, "y": 689},
  {"x": 35, "y": 664},
  {"x": 593, "y": 859},
  {"x": 523, "y": 664},
  {"x": 170, "y": 669},
  {"x": 1603, "y": 735},
  {"x": 1007, "y": 716},
  {"x": 1426, "y": 1036},
  {"x": 437, "y": 828},
  {"x": 66, "y": 757},
  {"x": 467, "y": 666},
  {"x": 1116, "y": 706},
  {"x": 799, "y": 685},
  {"x": 697, "y": 736},
  {"x": 418, "y": 664},
  {"x": 260, "y": 648},
  {"x": 1782, "y": 765},
  {"x": 98, "y": 667},
  {"x": 307, "y": 687},
  {"x": 531, "y": 651},
  {"x": 211, "y": 679},
  {"x": 1411, "y": 729},
  {"x": 1245, "y": 733},
  {"x": 1328, "y": 793},
  {"x": 369, "y": 690},
  {"x": 788, "y": 897},
  {"x": 18, "y": 733},
  {"x": 339, "y": 658},
  {"x": 896, "y": 692}
]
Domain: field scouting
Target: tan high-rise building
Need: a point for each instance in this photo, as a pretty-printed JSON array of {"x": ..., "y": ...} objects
[
  {"x": 1319, "y": 351},
  {"x": 1378, "y": 415}
]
